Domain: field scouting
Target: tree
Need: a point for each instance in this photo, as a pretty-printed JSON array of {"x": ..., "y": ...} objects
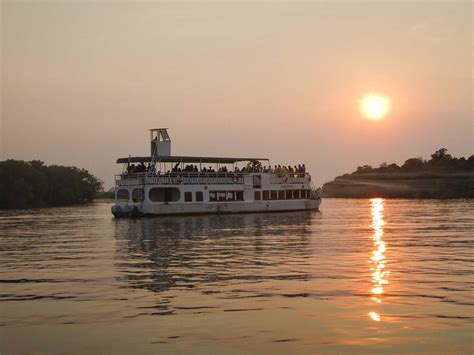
[
  {"x": 440, "y": 154},
  {"x": 364, "y": 169},
  {"x": 393, "y": 168},
  {"x": 413, "y": 164},
  {"x": 33, "y": 184},
  {"x": 21, "y": 185}
]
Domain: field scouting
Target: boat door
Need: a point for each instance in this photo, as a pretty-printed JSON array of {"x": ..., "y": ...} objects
[
  {"x": 253, "y": 181},
  {"x": 248, "y": 181}
]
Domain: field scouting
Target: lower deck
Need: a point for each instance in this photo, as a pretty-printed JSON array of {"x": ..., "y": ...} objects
[
  {"x": 201, "y": 199},
  {"x": 207, "y": 194},
  {"x": 157, "y": 209}
]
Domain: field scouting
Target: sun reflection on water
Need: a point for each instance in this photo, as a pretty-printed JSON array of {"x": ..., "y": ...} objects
[{"x": 377, "y": 261}]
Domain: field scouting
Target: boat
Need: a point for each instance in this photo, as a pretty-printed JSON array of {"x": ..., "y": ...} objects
[{"x": 164, "y": 184}]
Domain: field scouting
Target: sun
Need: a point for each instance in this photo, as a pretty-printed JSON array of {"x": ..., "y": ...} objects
[{"x": 375, "y": 107}]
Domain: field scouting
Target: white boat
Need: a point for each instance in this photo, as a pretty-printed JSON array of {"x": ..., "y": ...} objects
[{"x": 175, "y": 185}]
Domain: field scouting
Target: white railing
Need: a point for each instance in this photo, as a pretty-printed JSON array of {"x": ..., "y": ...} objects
[
  {"x": 181, "y": 178},
  {"x": 204, "y": 178}
]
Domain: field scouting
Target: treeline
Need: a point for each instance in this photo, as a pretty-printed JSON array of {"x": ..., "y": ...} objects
[
  {"x": 34, "y": 184},
  {"x": 442, "y": 176},
  {"x": 440, "y": 162}
]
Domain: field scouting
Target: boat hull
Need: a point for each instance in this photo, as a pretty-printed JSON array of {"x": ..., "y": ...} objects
[{"x": 152, "y": 209}]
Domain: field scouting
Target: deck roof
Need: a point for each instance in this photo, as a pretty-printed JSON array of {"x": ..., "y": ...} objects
[{"x": 187, "y": 159}]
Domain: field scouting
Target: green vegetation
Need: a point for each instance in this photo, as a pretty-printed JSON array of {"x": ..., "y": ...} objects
[
  {"x": 34, "y": 184},
  {"x": 440, "y": 161},
  {"x": 442, "y": 176}
]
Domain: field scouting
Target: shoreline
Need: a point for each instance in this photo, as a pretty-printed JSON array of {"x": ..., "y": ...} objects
[{"x": 420, "y": 185}]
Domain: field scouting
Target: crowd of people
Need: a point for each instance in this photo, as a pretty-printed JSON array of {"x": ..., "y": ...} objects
[
  {"x": 300, "y": 168},
  {"x": 253, "y": 166},
  {"x": 136, "y": 169}
]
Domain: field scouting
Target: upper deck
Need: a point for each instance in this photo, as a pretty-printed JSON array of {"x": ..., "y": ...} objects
[
  {"x": 162, "y": 168},
  {"x": 207, "y": 178}
]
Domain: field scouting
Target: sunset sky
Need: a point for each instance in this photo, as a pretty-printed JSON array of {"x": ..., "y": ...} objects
[{"x": 83, "y": 81}]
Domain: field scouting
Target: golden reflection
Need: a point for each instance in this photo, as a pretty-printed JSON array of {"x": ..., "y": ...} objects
[
  {"x": 374, "y": 316},
  {"x": 377, "y": 261}
]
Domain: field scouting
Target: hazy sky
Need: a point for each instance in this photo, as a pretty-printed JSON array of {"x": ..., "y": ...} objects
[{"x": 82, "y": 81}]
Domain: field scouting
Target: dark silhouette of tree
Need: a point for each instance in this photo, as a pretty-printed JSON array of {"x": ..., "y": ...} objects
[
  {"x": 441, "y": 161},
  {"x": 440, "y": 154},
  {"x": 365, "y": 169},
  {"x": 443, "y": 176},
  {"x": 392, "y": 168},
  {"x": 413, "y": 164},
  {"x": 33, "y": 184}
]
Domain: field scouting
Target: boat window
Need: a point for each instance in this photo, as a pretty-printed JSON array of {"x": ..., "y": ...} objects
[
  {"x": 296, "y": 194},
  {"x": 137, "y": 195},
  {"x": 257, "y": 181},
  {"x": 266, "y": 195},
  {"x": 305, "y": 194},
  {"x": 289, "y": 194},
  {"x": 164, "y": 194},
  {"x": 274, "y": 195},
  {"x": 199, "y": 196},
  {"x": 257, "y": 195},
  {"x": 281, "y": 194},
  {"x": 123, "y": 195},
  {"x": 225, "y": 196},
  {"x": 239, "y": 195},
  {"x": 188, "y": 196}
]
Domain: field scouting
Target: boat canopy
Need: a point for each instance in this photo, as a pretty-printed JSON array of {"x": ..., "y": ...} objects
[{"x": 187, "y": 159}]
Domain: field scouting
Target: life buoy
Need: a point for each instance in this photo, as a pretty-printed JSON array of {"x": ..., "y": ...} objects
[{"x": 285, "y": 178}]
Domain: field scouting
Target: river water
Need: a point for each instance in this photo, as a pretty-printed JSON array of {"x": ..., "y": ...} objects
[{"x": 362, "y": 276}]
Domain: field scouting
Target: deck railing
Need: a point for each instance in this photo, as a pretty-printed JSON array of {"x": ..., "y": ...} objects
[
  {"x": 203, "y": 178},
  {"x": 179, "y": 178}
]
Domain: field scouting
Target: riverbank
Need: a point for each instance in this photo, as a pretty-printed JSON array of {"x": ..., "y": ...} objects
[
  {"x": 443, "y": 176},
  {"x": 33, "y": 184},
  {"x": 402, "y": 185}
]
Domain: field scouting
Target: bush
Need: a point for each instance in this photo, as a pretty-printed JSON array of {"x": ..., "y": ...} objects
[
  {"x": 33, "y": 184},
  {"x": 440, "y": 161}
]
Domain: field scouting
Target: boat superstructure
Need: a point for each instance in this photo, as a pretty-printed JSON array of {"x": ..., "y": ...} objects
[{"x": 163, "y": 184}]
